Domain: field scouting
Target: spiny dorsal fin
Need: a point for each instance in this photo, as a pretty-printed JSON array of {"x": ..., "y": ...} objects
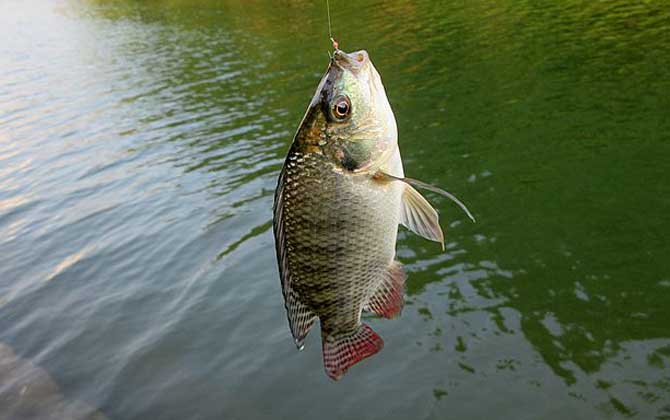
[{"x": 300, "y": 318}]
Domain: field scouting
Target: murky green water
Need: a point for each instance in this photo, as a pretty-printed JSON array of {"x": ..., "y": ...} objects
[{"x": 139, "y": 148}]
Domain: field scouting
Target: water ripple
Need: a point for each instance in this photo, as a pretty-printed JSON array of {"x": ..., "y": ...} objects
[{"x": 139, "y": 147}]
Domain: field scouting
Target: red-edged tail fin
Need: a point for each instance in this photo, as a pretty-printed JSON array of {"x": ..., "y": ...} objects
[{"x": 343, "y": 351}]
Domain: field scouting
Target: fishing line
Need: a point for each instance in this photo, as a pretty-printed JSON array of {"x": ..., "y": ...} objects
[{"x": 330, "y": 31}]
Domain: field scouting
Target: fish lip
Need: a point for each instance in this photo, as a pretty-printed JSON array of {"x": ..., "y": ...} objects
[{"x": 354, "y": 61}]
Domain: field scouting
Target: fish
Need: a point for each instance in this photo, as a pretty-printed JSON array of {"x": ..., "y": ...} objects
[{"x": 340, "y": 197}]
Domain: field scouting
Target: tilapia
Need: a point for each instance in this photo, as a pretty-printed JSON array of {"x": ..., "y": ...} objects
[{"x": 339, "y": 200}]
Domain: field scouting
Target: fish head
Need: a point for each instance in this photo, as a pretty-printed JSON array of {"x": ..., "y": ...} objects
[{"x": 350, "y": 119}]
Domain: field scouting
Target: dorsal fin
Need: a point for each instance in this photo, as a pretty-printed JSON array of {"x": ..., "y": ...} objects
[{"x": 300, "y": 317}]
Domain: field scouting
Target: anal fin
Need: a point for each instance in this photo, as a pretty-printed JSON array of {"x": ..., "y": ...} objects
[
  {"x": 340, "y": 352},
  {"x": 388, "y": 299},
  {"x": 300, "y": 318}
]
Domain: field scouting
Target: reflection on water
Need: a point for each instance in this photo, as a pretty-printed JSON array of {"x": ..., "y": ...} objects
[
  {"x": 139, "y": 149},
  {"x": 28, "y": 392}
]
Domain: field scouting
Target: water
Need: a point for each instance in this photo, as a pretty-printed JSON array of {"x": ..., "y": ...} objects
[{"x": 139, "y": 148}]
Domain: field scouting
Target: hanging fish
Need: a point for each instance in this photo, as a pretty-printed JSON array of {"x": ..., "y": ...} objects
[{"x": 340, "y": 197}]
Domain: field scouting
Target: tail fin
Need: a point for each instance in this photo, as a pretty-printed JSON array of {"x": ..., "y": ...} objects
[{"x": 342, "y": 352}]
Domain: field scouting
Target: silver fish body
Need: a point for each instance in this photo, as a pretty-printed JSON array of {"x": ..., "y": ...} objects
[
  {"x": 336, "y": 214},
  {"x": 340, "y": 231}
]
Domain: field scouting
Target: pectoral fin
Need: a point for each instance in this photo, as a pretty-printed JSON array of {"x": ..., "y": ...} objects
[
  {"x": 419, "y": 184},
  {"x": 416, "y": 213},
  {"x": 419, "y": 216}
]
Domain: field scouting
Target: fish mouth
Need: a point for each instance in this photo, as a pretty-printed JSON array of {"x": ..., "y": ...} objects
[{"x": 354, "y": 61}]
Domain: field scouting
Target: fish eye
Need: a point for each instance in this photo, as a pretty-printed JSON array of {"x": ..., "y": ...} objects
[{"x": 341, "y": 107}]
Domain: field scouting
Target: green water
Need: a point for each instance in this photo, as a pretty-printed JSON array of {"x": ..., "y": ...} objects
[{"x": 139, "y": 148}]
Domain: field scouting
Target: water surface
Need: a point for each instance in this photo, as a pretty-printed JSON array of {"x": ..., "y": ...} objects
[{"x": 139, "y": 148}]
